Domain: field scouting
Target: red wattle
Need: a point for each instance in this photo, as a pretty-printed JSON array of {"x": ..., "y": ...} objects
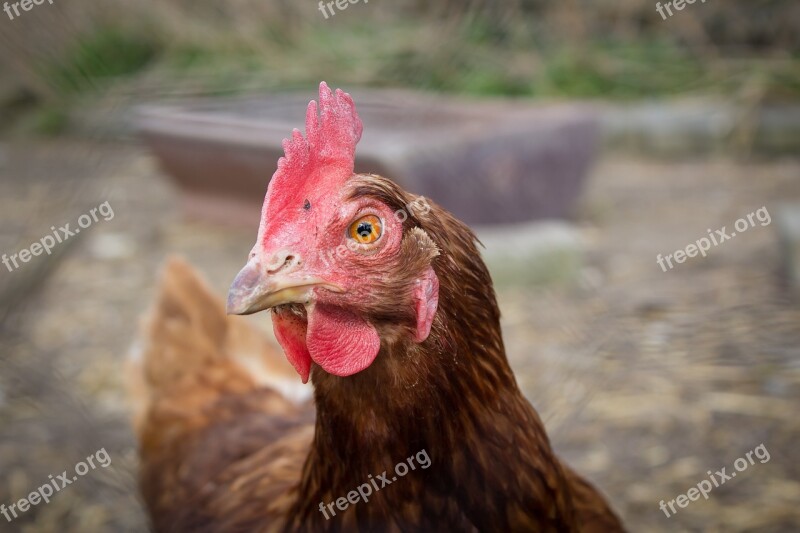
[
  {"x": 339, "y": 341},
  {"x": 290, "y": 330}
]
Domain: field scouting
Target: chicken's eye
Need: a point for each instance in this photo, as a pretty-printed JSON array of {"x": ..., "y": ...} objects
[{"x": 366, "y": 229}]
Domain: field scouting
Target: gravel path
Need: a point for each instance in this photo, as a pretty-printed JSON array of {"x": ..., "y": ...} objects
[{"x": 645, "y": 379}]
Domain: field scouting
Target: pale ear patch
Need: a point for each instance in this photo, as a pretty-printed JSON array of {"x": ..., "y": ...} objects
[
  {"x": 426, "y": 300},
  {"x": 419, "y": 246}
]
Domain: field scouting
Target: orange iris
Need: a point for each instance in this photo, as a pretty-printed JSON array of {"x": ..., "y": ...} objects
[{"x": 366, "y": 229}]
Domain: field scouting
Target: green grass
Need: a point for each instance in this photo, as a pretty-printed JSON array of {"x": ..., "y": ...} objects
[
  {"x": 50, "y": 121},
  {"x": 105, "y": 54},
  {"x": 476, "y": 57}
]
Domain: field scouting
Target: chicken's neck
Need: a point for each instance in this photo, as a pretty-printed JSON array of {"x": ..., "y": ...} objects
[
  {"x": 416, "y": 392},
  {"x": 453, "y": 396}
]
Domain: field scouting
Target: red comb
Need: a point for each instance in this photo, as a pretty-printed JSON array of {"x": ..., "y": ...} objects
[{"x": 330, "y": 143}]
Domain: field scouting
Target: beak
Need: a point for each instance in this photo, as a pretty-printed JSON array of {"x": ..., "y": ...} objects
[{"x": 253, "y": 290}]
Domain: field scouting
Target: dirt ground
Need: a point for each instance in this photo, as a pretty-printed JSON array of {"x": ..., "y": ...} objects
[{"x": 646, "y": 379}]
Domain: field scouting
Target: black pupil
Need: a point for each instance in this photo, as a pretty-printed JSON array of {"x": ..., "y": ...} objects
[{"x": 364, "y": 229}]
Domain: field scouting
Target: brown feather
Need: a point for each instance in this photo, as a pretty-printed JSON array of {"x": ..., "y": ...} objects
[{"x": 220, "y": 454}]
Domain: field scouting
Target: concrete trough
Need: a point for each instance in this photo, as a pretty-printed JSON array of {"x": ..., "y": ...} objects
[{"x": 489, "y": 162}]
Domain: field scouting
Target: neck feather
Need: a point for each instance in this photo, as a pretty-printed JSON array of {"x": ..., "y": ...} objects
[{"x": 418, "y": 395}]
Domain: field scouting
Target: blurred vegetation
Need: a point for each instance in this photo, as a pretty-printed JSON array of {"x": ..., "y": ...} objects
[
  {"x": 79, "y": 51},
  {"x": 101, "y": 54}
]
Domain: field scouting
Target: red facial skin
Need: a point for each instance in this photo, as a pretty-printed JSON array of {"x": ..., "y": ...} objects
[
  {"x": 318, "y": 236},
  {"x": 304, "y": 240},
  {"x": 336, "y": 335}
]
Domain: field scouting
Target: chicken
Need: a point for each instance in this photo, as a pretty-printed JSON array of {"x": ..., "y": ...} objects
[{"x": 379, "y": 298}]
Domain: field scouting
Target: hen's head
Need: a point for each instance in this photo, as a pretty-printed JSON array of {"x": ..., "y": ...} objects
[{"x": 340, "y": 257}]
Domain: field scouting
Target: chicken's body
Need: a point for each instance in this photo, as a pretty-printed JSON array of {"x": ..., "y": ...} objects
[{"x": 221, "y": 453}]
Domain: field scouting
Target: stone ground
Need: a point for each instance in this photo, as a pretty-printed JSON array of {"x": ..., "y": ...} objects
[{"x": 646, "y": 380}]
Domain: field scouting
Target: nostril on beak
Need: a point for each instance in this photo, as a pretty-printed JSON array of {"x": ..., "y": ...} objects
[{"x": 282, "y": 261}]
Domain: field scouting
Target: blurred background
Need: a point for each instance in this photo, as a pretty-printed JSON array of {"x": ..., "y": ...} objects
[{"x": 581, "y": 139}]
